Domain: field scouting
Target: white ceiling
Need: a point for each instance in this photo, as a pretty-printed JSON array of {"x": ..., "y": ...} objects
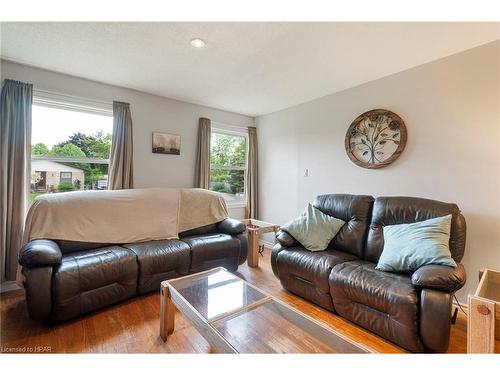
[{"x": 249, "y": 68}]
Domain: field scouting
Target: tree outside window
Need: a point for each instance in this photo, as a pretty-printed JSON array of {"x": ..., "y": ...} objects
[{"x": 227, "y": 165}]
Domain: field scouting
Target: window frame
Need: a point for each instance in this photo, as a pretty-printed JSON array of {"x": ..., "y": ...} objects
[
  {"x": 66, "y": 180},
  {"x": 66, "y": 102},
  {"x": 237, "y": 131}
]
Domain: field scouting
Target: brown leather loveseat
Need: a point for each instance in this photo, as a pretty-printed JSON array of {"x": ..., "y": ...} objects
[
  {"x": 411, "y": 310},
  {"x": 65, "y": 279}
]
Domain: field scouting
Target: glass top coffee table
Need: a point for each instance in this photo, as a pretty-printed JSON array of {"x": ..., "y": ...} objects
[{"x": 236, "y": 317}]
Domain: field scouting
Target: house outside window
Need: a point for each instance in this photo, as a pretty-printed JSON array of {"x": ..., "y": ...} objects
[
  {"x": 70, "y": 144},
  {"x": 228, "y": 161}
]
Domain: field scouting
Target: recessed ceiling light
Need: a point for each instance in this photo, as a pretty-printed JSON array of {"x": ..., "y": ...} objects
[{"x": 198, "y": 43}]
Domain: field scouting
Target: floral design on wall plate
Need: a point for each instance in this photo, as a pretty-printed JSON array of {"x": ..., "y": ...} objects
[{"x": 375, "y": 139}]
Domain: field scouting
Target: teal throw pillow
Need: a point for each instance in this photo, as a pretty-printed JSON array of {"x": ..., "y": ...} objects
[
  {"x": 408, "y": 247},
  {"x": 314, "y": 229}
]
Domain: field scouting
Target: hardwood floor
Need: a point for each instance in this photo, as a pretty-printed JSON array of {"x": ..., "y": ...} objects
[{"x": 133, "y": 326}]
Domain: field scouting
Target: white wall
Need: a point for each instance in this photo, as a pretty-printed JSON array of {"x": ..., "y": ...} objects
[
  {"x": 149, "y": 113},
  {"x": 451, "y": 108}
]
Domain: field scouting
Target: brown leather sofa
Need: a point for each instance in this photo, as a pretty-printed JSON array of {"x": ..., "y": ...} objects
[
  {"x": 411, "y": 310},
  {"x": 65, "y": 279}
]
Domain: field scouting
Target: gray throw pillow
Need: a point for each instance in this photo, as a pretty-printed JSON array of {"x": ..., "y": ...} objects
[{"x": 313, "y": 229}]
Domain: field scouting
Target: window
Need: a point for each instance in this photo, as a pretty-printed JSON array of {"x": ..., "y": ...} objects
[
  {"x": 228, "y": 150},
  {"x": 70, "y": 144},
  {"x": 66, "y": 177}
]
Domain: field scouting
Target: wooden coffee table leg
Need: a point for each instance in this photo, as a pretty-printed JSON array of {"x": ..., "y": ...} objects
[
  {"x": 167, "y": 313},
  {"x": 253, "y": 247}
]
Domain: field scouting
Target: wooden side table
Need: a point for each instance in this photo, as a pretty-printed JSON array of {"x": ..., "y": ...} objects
[
  {"x": 254, "y": 229},
  {"x": 483, "y": 322}
]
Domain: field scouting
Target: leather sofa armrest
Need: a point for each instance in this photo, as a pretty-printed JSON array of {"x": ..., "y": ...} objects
[
  {"x": 39, "y": 253},
  {"x": 38, "y": 289},
  {"x": 231, "y": 226},
  {"x": 444, "y": 278},
  {"x": 285, "y": 239},
  {"x": 435, "y": 322},
  {"x": 243, "y": 248},
  {"x": 278, "y": 248}
]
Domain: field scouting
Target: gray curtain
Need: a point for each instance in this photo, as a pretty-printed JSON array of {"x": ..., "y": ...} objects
[
  {"x": 121, "y": 169},
  {"x": 252, "y": 175},
  {"x": 202, "y": 170},
  {"x": 15, "y": 151}
]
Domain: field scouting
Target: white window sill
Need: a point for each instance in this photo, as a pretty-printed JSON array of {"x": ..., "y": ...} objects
[{"x": 236, "y": 205}]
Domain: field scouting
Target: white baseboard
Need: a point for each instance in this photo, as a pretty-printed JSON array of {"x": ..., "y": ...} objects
[{"x": 9, "y": 286}]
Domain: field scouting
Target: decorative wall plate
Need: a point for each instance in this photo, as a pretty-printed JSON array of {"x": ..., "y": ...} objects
[{"x": 375, "y": 139}]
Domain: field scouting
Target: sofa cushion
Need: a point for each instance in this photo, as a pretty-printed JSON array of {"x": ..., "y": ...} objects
[
  {"x": 159, "y": 261},
  {"x": 405, "y": 210},
  {"x": 385, "y": 303},
  {"x": 355, "y": 210},
  {"x": 67, "y": 246},
  {"x": 306, "y": 273},
  {"x": 88, "y": 280},
  {"x": 213, "y": 250}
]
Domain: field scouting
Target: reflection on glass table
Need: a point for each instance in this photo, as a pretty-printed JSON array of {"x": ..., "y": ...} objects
[
  {"x": 236, "y": 317},
  {"x": 216, "y": 294}
]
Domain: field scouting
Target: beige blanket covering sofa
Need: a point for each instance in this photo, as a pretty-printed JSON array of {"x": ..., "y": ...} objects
[{"x": 122, "y": 216}]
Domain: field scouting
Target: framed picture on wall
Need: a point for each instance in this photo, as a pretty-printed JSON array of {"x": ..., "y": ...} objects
[{"x": 164, "y": 143}]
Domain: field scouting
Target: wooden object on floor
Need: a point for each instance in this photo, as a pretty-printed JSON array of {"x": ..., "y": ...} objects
[
  {"x": 254, "y": 229},
  {"x": 167, "y": 312},
  {"x": 484, "y": 314}
]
